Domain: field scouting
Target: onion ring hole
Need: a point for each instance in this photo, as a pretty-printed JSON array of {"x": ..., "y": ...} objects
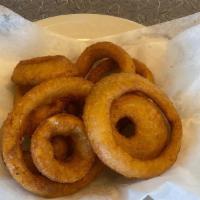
[{"x": 126, "y": 127}]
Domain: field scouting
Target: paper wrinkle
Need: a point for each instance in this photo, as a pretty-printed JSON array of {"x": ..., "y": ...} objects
[{"x": 170, "y": 51}]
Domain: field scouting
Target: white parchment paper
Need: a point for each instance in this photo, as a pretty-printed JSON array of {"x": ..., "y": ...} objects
[{"x": 171, "y": 50}]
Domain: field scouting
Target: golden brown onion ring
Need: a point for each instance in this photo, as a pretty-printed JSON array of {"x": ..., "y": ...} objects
[
  {"x": 102, "y": 50},
  {"x": 148, "y": 129},
  {"x": 42, "y": 152},
  {"x": 33, "y": 71},
  {"x": 100, "y": 130},
  {"x": 61, "y": 145},
  {"x": 13, "y": 132},
  {"x": 106, "y": 67}
]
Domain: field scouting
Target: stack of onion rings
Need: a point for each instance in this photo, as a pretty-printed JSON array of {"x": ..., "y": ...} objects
[
  {"x": 13, "y": 131},
  {"x": 60, "y": 121}
]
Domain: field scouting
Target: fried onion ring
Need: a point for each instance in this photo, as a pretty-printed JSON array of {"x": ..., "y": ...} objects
[
  {"x": 61, "y": 145},
  {"x": 102, "y": 50},
  {"x": 149, "y": 132},
  {"x": 33, "y": 71},
  {"x": 81, "y": 160},
  {"x": 105, "y": 67},
  {"x": 13, "y": 132},
  {"x": 100, "y": 130}
]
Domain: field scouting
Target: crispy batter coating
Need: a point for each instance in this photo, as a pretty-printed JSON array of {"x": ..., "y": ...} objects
[
  {"x": 80, "y": 161},
  {"x": 102, "y": 50},
  {"x": 106, "y": 67},
  {"x": 100, "y": 130},
  {"x": 33, "y": 71},
  {"x": 13, "y": 132},
  {"x": 150, "y": 132}
]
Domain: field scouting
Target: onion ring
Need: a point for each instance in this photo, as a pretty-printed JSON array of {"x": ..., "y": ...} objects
[
  {"x": 13, "y": 132},
  {"x": 34, "y": 71},
  {"x": 101, "y": 50},
  {"x": 60, "y": 145},
  {"x": 106, "y": 67},
  {"x": 81, "y": 160},
  {"x": 100, "y": 130},
  {"x": 149, "y": 134}
]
